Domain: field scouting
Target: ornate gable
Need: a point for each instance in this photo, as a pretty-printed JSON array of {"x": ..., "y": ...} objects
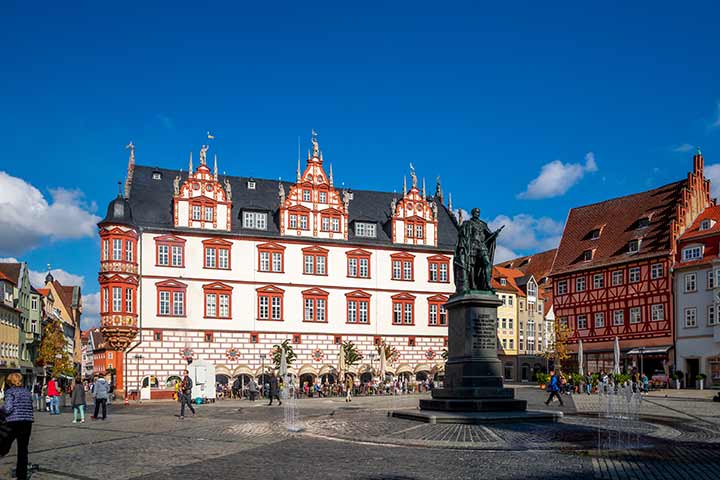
[
  {"x": 313, "y": 207},
  {"x": 414, "y": 218},
  {"x": 201, "y": 201}
]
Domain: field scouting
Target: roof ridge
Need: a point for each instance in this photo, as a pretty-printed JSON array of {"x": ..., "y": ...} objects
[{"x": 623, "y": 197}]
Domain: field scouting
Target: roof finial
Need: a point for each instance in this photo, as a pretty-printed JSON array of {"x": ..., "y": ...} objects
[
  {"x": 49, "y": 277},
  {"x": 438, "y": 189},
  {"x": 404, "y": 185},
  {"x": 424, "y": 196},
  {"x": 298, "y": 168},
  {"x": 413, "y": 177},
  {"x": 203, "y": 154},
  {"x": 131, "y": 146},
  {"x": 131, "y": 168},
  {"x": 450, "y": 201},
  {"x": 316, "y": 147},
  {"x": 190, "y": 167},
  {"x": 699, "y": 152},
  {"x": 120, "y": 189},
  {"x": 215, "y": 168},
  {"x": 331, "y": 175}
]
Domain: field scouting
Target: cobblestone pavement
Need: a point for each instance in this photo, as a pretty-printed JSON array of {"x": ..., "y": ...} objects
[{"x": 677, "y": 438}]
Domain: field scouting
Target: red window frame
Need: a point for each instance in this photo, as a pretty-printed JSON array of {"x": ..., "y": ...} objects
[
  {"x": 438, "y": 260},
  {"x": 254, "y": 337},
  {"x": 202, "y": 202},
  {"x": 337, "y": 339},
  {"x": 331, "y": 214},
  {"x": 171, "y": 286},
  {"x": 415, "y": 222},
  {"x": 315, "y": 294},
  {"x": 106, "y": 246},
  {"x": 412, "y": 342},
  {"x": 299, "y": 211},
  {"x": 402, "y": 258},
  {"x": 270, "y": 291},
  {"x": 296, "y": 339},
  {"x": 358, "y": 254},
  {"x": 439, "y": 301},
  {"x": 156, "y": 334},
  {"x": 218, "y": 244},
  {"x": 216, "y": 289},
  {"x": 403, "y": 299},
  {"x": 357, "y": 296},
  {"x": 106, "y": 295},
  {"x": 209, "y": 337},
  {"x": 170, "y": 241},
  {"x": 377, "y": 341},
  {"x": 315, "y": 252},
  {"x": 270, "y": 249}
]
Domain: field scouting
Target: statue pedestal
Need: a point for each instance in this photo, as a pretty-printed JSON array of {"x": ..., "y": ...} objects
[{"x": 473, "y": 388}]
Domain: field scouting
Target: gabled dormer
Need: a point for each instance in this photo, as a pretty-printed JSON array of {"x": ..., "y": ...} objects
[
  {"x": 313, "y": 207},
  {"x": 201, "y": 201},
  {"x": 414, "y": 218}
]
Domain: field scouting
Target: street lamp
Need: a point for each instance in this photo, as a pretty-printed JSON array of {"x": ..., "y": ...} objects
[{"x": 137, "y": 360}]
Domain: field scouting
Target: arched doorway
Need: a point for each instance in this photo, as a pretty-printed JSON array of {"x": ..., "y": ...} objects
[
  {"x": 308, "y": 378},
  {"x": 222, "y": 379},
  {"x": 328, "y": 378},
  {"x": 366, "y": 377},
  {"x": 524, "y": 372},
  {"x": 421, "y": 376},
  {"x": 170, "y": 382},
  {"x": 508, "y": 371}
]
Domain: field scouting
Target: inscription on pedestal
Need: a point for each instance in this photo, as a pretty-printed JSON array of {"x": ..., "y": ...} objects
[{"x": 484, "y": 333}]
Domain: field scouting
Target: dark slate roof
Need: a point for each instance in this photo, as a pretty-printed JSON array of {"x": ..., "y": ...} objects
[
  {"x": 151, "y": 202},
  {"x": 119, "y": 212}
]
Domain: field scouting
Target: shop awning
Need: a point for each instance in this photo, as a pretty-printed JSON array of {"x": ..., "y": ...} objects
[{"x": 649, "y": 350}]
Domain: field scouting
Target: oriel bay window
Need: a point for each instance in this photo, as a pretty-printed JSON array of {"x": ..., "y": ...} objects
[
  {"x": 315, "y": 305},
  {"x": 439, "y": 268},
  {"x": 169, "y": 251},
  {"x": 217, "y": 253},
  {"x": 358, "y": 263},
  {"x": 403, "y": 309},
  {"x": 437, "y": 314},
  {"x": 171, "y": 298},
  {"x": 402, "y": 266},
  {"x": 218, "y": 298},
  {"x": 358, "y": 307},
  {"x": 271, "y": 258},
  {"x": 270, "y": 303},
  {"x": 315, "y": 260}
]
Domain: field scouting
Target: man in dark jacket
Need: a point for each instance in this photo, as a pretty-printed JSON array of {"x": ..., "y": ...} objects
[
  {"x": 274, "y": 389},
  {"x": 185, "y": 394},
  {"x": 554, "y": 388}
]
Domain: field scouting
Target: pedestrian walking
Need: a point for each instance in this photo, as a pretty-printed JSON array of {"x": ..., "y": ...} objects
[
  {"x": 252, "y": 389},
  {"x": 78, "y": 402},
  {"x": 101, "y": 390},
  {"x": 185, "y": 394},
  {"x": 274, "y": 389},
  {"x": 53, "y": 391},
  {"x": 348, "y": 388},
  {"x": 37, "y": 396},
  {"x": 18, "y": 413},
  {"x": 554, "y": 388}
]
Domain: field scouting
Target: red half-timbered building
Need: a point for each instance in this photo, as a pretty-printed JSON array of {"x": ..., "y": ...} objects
[{"x": 611, "y": 274}]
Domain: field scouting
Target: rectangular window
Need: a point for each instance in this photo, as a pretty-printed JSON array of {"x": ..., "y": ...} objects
[
  {"x": 209, "y": 337},
  {"x": 512, "y": 344},
  {"x": 223, "y": 258},
  {"x": 710, "y": 279},
  {"x": 309, "y": 264},
  {"x": 164, "y": 303},
  {"x": 690, "y": 282},
  {"x": 352, "y": 267},
  {"x": 433, "y": 317},
  {"x": 117, "y": 249},
  {"x": 303, "y": 222},
  {"x": 562, "y": 287},
  {"x": 617, "y": 277},
  {"x": 309, "y": 309},
  {"x": 352, "y": 311},
  {"x": 397, "y": 313},
  {"x": 408, "y": 317},
  {"x": 320, "y": 305},
  {"x": 209, "y": 214},
  {"x": 128, "y": 251},
  {"x": 600, "y": 320},
  {"x": 364, "y": 307},
  {"x": 178, "y": 304},
  {"x": 634, "y": 274},
  {"x": 444, "y": 272},
  {"x": 224, "y": 305},
  {"x": 658, "y": 312},
  {"x": 618, "y": 318},
  {"x": 582, "y": 322},
  {"x": 397, "y": 269},
  {"x": 210, "y": 258},
  {"x": 157, "y": 335},
  {"x": 319, "y": 265},
  {"x": 177, "y": 256},
  {"x": 196, "y": 212},
  {"x": 106, "y": 249},
  {"x": 367, "y": 230},
  {"x": 106, "y": 300},
  {"x": 323, "y": 197},
  {"x": 163, "y": 254},
  {"x": 129, "y": 300},
  {"x": 433, "y": 272},
  {"x": 407, "y": 270},
  {"x": 656, "y": 271},
  {"x": 335, "y": 224},
  {"x": 34, "y": 303},
  {"x": 293, "y": 221},
  {"x": 117, "y": 299},
  {"x": 711, "y": 315},
  {"x": 255, "y": 220},
  {"x": 690, "y": 317},
  {"x": 598, "y": 281},
  {"x": 263, "y": 307},
  {"x": 408, "y": 230},
  {"x": 691, "y": 253},
  {"x": 580, "y": 284},
  {"x": 277, "y": 262},
  {"x": 306, "y": 195},
  {"x": 364, "y": 268},
  {"x": 276, "y": 308},
  {"x": 325, "y": 224},
  {"x": 419, "y": 231},
  {"x": 635, "y": 315},
  {"x": 211, "y": 305},
  {"x": 264, "y": 261}
]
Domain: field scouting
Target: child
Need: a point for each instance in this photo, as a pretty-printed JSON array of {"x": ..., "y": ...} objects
[{"x": 78, "y": 402}]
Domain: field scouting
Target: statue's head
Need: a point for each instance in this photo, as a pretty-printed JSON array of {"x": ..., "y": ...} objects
[{"x": 475, "y": 212}]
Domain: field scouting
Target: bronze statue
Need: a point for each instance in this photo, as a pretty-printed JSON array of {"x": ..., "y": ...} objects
[{"x": 474, "y": 254}]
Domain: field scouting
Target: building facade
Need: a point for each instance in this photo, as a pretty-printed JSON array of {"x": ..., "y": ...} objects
[
  {"x": 697, "y": 299},
  {"x": 199, "y": 265},
  {"x": 507, "y": 322},
  {"x": 9, "y": 328},
  {"x": 611, "y": 274}
]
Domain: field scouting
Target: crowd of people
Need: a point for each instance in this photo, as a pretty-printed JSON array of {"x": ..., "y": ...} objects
[{"x": 590, "y": 383}]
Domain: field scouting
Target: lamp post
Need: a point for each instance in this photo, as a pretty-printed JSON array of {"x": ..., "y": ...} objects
[
  {"x": 262, "y": 372},
  {"x": 137, "y": 358},
  {"x": 642, "y": 369}
]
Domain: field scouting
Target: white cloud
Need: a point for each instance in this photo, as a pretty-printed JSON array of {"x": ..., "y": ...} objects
[
  {"x": 37, "y": 278},
  {"x": 28, "y": 218},
  {"x": 91, "y": 311},
  {"x": 527, "y": 233},
  {"x": 712, "y": 173},
  {"x": 685, "y": 147},
  {"x": 556, "y": 178},
  {"x": 503, "y": 253}
]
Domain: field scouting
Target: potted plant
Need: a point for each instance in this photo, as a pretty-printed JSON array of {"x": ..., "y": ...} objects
[
  {"x": 677, "y": 376},
  {"x": 543, "y": 379},
  {"x": 578, "y": 380},
  {"x": 700, "y": 377}
]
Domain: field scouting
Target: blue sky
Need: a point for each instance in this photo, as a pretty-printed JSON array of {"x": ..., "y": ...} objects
[{"x": 549, "y": 106}]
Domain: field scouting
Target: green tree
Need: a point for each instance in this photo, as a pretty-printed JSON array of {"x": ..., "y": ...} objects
[
  {"x": 558, "y": 351},
  {"x": 52, "y": 350},
  {"x": 444, "y": 354},
  {"x": 289, "y": 353},
  {"x": 388, "y": 349},
  {"x": 352, "y": 354}
]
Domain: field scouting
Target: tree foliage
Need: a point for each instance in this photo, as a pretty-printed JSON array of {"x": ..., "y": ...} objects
[
  {"x": 289, "y": 353},
  {"x": 390, "y": 351},
  {"x": 444, "y": 354},
  {"x": 558, "y": 351},
  {"x": 52, "y": 350},
  {"x": 352, "y": 354}
]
